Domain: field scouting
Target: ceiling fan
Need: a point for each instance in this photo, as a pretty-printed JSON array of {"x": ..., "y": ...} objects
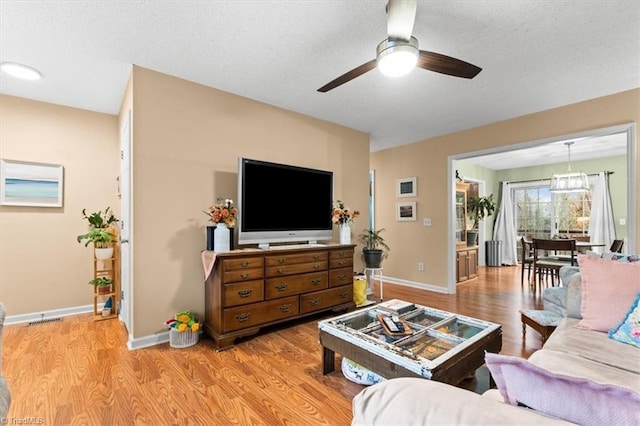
[{"x": 399, "y": 53}]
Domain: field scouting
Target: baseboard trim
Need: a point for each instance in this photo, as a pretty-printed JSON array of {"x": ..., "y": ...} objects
[
  {"x": 414, "y": 284},
  {"x": 147, "y": 341},
  {"x": 36, "y": 316}
]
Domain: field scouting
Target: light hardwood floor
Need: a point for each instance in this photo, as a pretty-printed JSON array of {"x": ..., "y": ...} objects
[{"x": 78, "y": 371}]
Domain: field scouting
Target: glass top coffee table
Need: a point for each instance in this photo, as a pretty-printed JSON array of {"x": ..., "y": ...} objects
[{"x": 442, "y": 346}]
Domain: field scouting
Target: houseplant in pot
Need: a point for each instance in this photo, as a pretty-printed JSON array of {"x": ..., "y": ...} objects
[
  {"x": 375, "y": 248},
  {"x": 102, "y": 284},
  {"x": 101, "y": 232},
  {"x": 478, "y": 208}
]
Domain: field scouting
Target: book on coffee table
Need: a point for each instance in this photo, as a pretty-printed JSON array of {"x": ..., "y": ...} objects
[{"x": 397, "y": 306}]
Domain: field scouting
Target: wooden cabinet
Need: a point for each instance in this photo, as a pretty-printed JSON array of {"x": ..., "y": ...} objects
[
  {"x": 106, "y": 268},
  {"x": 466, "y": 263},
  {"x": 248, "y": 290},
  {"x": 461, "y": 214}
]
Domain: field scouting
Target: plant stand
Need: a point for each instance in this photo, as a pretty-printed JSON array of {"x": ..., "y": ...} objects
[
  {"x": 373, "y": 274},
  {"x": 106, "y": 268}
]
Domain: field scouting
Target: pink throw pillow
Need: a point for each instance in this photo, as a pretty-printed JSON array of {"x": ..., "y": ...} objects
[
  {"x": 608, "y": 289},
  {"x": 574, "y": 399}
]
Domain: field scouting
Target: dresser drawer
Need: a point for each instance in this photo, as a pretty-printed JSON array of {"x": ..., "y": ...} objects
[
  {"x": 298, "y": 268},
  {"x": 242, "y": 263},
  {"x": 260, "y": 313},
  {"x": 242, "y": 275},
  {"x": 338, "y": 277},
  {"x": 291, "y": 259},
  {"x": 325, "y": 298},
  {"x": 341, "y": 254},
  {"x": 241, "y": 293},
  {"x": 295, "y": 284},
  {"x": 340, "y": 263}
]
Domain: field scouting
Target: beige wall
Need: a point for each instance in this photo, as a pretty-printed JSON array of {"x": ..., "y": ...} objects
[
  {"x": 411, "y": 242},
  {"x": 42, "y": 267},
  {"x": 186, "y": 142}
]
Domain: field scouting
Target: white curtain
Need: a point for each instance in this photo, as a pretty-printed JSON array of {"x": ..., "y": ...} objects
[
  {"x": 505, "y": 228},
  {"x": 601, "y": 225}
]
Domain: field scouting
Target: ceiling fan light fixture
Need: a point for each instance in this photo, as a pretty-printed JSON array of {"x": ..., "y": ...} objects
[
  {"x": 570, "y": 181},
  {"x": 396, "y": 58},
  {"x": 17, "y": 70}
]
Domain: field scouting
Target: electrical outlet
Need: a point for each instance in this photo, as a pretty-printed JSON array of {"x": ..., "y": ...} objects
[
  {"x": 426, "y": 221},
  {"x": 421, "y": 266}
]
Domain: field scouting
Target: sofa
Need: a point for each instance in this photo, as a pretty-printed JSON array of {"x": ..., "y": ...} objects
[
  {"x": 5, "y": 396},
  {"x": 585, "y": 373}
]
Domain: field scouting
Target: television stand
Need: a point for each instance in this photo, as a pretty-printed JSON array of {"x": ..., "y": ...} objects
[{"x": 249, "y": 290}]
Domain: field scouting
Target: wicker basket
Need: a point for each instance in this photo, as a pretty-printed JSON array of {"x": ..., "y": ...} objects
[{"x": 182, "y": 339}]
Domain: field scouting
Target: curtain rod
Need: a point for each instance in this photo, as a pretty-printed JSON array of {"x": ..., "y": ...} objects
[{"x": 538, "y": 180}]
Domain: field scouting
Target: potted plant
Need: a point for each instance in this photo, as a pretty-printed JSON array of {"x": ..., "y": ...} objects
[
  {"x": 103, "y": 284},
  {"x": 375, "y": 248},
  {"x": 478, "y": 208},
  {"x": 101, "y": 232}
]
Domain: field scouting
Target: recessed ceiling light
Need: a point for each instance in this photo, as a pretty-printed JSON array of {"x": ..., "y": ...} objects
[{"x": 20, "y": 71}]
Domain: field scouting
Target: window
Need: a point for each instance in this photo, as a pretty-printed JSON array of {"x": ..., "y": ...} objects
[{"x": 541, "y": 214}]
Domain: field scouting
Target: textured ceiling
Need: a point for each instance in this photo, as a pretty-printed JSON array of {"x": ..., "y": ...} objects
[{"x": 535, "y": 55}]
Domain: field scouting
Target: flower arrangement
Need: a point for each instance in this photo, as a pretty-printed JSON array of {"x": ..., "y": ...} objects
[
  {"x": 342, "y": 214},
  {"x": 222, "y": 212}
]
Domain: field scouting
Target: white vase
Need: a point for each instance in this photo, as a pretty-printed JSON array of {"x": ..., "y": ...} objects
[
  {"x": 221, "y": 238},
  {"x": 345, "y": 233}
]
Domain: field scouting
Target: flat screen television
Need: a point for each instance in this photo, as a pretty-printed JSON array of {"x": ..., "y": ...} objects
[{"x": 280, "y": 203}]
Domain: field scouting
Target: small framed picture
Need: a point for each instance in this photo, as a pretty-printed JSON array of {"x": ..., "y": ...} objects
[
  {"x": 406, "y": 211},
  {"x": 24, "y": 183},
  {"x": 406, "y": 187}
]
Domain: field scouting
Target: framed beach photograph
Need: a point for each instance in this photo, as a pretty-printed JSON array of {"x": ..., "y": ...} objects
[
  {"x": 29, "y": 184},
  {"x": 406, "y": 211},
  {"x": 406, "y": 187}
]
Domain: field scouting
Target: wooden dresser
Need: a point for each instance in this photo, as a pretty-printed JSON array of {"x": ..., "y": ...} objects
[{"x": 250, "y": 289}]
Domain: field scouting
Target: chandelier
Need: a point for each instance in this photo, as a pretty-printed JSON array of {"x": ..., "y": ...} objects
[{"x": 570, "y": 181}]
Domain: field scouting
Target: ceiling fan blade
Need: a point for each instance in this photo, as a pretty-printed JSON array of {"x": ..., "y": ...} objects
[
  {"x": 446, "y": 65},
  {"x": 348, "y": 76},
  {"x": 401, "y": 14}
]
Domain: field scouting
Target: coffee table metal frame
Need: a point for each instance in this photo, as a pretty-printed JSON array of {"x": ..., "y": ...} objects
[{"x": 392, "y": 360}]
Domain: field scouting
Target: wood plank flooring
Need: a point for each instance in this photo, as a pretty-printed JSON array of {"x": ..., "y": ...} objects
[{"x": 79, "y": 372}]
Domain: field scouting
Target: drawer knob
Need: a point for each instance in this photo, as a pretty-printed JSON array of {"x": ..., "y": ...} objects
[
  {"x": 316, "y": 266},
  {"x": 281, "y": 287},
  {"x": 343, "y": 295},
  {"x": 314, "y": 302},
  {"x": 316, "y": 256},
  {"x": 244, "y": 275},
  {"x": 245, "y": 264},
  {"x": 343, "y": 262},
  {"x": 285, "y": 308},
  {"x": 281, "y": 260},
  {"x": 242, "y": 317},
  {"x": 341, "y": 253},
  {"x": 316, "y": 281},
  {"x": 342, "y": 276},
  {"x": 245, "y": 293},
  {"x": 281, "y": 271}
]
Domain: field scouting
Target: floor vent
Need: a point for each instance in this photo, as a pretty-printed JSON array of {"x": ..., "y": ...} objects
[{"x": 44, "y": 321}]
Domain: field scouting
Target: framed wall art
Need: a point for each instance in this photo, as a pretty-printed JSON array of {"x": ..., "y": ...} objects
[
  {"x": 406, "y": 211},
  {"x": 406, "y": 187},
  {"x": 29, "y": 184}
]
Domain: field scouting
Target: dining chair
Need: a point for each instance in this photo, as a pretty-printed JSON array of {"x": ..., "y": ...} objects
[
  {"x": 616, "y": 246},
  {"x": 526, "y": 256},
  {"x": 549, "y": 257}
]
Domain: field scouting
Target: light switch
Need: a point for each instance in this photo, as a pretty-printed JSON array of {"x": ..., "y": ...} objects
[
  {"x": 426, "y": 221},
  {"x": 623, "y": 221}
]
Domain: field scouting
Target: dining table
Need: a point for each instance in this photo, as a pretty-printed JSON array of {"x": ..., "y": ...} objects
[{"x": 583, "y": 246}]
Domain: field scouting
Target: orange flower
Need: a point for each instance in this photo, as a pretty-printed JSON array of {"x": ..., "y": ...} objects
[{"x": 222, "y": 212}]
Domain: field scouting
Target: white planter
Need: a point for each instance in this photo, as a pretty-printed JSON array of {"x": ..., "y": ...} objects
[
  {"x": 345, "y": 233},
  {"x": 104, "y": 253}
]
